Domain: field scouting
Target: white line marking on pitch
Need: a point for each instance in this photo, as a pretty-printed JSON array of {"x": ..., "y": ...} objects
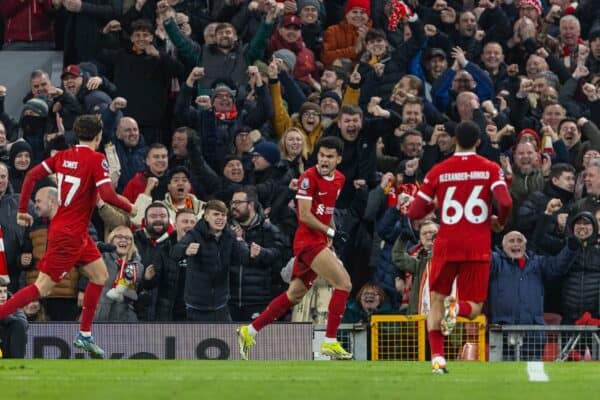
[{"x": 535, "y": 370}]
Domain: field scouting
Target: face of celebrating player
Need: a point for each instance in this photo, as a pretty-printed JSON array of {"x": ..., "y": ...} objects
[
  {"x": 327, "y": 161},
  {"x": 216, "y": 220},
  {"x": 514, "y": 244}
]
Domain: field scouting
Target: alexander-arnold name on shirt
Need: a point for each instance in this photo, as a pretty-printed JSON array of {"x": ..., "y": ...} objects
[{"x": 464, "y": 176}]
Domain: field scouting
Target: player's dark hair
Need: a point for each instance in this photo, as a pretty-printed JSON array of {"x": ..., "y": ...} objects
[
  {"x": 330, "y": 142},
  {"x": 3, "y": 282},
  {"x": 216, "y": 205},
  {"x": 558, "y": 169},
  {"x": 87, "y": 127},
  {"x": 467, "y": 134}
]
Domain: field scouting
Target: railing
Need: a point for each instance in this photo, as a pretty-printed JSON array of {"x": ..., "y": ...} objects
[{"x": 544, "y": 343}]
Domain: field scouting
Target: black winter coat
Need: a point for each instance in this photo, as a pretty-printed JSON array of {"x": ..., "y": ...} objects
[
  {"x": 581, "y": 285},
  {"x": 207, "y": 275},
  {"x": 251, "y": 282}
]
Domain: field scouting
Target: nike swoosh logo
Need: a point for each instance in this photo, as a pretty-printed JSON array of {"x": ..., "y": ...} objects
[{"x": 322, "y": 193}]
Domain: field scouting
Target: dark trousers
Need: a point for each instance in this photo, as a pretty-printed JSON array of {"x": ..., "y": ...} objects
[
  {"x": 13, "y": 337},
  {"x": 220, "y": 315}
]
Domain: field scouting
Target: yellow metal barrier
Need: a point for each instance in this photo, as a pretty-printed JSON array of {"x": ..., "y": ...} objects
[{"x": 402, "y": 338}]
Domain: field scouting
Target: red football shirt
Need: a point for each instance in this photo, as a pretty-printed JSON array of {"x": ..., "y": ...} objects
[
  {"x": 323, "y": 191},
  {"x": 463, "y": 186},
  {"x": 79, "y": 172}
]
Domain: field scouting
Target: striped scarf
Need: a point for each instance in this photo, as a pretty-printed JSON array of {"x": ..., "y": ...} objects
[{"x": 3, "y": 266}]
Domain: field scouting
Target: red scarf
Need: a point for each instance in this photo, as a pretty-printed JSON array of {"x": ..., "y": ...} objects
[
  {"x": 227, "y": 116},
  {"x": 567, "y": 52},
  {"x": 3, "y": 265},
  {"x": 121, "y": 278}
]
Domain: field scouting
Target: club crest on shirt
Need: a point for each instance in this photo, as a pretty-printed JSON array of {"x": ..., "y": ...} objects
[
  {"x": 105, "y": 165},
  {"x": 305, "y": 184}
]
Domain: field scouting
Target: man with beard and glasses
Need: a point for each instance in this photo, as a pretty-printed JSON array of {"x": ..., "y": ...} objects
[
  {"x": 227, "y": 58},
  {"x": 253, "y": 285},
  {"x": 149, "y": 241}
]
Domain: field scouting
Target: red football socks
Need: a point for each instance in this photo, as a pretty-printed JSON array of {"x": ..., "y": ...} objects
[
  {"x": 19, "y": 300},
  {"x": 337, "y": 306},
  {"x": 90, "y": 302},
  {"x": 436, "y": 343},
  {"x": 465, "y": 309},
  {"x": 274, "y": 310}
]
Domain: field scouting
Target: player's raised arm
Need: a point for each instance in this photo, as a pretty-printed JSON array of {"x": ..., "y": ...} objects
[
  {"x": 108, "y": 194},
  {"x": 503, "y": 201},
  {"x": 423, "y": 203}
]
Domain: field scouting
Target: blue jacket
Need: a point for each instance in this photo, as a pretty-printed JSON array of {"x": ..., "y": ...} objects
[
  {"x": 516, "y": 296},
  {"x": 441, "y": 90}
]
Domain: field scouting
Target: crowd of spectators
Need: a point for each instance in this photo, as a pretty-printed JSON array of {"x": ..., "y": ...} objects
[{"x": 211, "y": 110}]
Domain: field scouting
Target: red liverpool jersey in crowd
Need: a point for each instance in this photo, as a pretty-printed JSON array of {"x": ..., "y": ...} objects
[
  {"x": 463, "y": 187},
  {"x": 323, "y": 191}
]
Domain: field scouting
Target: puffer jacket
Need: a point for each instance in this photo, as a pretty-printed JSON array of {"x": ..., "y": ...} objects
[
  {"x": 581, "y": 285},
  {"x": 251, "y": 283},
  {"x": 339, "y": 41},
  {"x": 207, "y": 274}
]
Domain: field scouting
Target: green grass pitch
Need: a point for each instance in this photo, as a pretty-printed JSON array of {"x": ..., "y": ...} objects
[{"x": 147, "y": 379}]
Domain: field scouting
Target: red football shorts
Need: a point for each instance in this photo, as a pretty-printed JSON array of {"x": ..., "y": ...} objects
[
  {"x": 65, "y": 252},
  {"x": 472, "y": 278},
  {"x": 304, "y": 258}
]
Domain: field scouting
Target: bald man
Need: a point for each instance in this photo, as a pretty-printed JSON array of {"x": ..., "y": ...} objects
[{"x": 516, "y": 289}]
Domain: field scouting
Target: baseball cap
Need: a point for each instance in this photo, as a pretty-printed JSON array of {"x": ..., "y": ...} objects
[
  {"x": 71, "y": 70},
  {"x": 291, "y": 20}
]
